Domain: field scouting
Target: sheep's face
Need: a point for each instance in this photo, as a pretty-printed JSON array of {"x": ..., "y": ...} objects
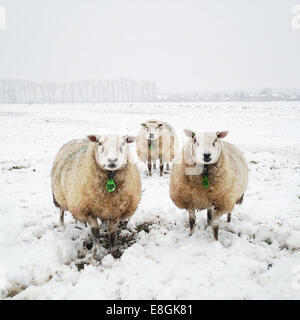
[
  {"x": 152, "y": 130},
  {"x": 111, "y": 151},
  {"x": 205, "y": 146}
]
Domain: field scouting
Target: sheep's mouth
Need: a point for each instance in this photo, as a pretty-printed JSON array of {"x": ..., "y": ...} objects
[
  {"x": 202, "y": 163},
  {"x": 112, "y": 166},
  {"x": 152, "y": 139}
]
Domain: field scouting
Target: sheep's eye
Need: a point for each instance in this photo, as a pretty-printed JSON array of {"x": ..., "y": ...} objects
[{"x": 195, "y": 142}]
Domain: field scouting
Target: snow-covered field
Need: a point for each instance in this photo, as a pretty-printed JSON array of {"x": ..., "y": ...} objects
[{"x": 257, "y": 257}]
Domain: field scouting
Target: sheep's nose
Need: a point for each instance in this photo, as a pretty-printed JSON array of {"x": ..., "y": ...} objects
[
  {"x": 151, "y": 135},
  {"x": 112, "y": 161},
  {"x": 207, "y": 157}
]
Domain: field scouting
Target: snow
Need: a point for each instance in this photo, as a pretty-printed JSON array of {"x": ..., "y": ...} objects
[{"x": 257, "y": 257}]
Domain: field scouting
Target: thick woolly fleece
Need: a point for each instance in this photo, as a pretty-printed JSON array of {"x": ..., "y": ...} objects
[
  {"x": 78, "y": 184},
  {"x": 228, "y": 179}
]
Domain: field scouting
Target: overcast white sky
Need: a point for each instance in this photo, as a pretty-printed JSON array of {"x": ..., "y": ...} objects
[{"x": 184, "y": 45}]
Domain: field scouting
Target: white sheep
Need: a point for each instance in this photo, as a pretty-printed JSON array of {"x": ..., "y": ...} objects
[
  {"x": 156, "y": 140},
  {"x": 208, "y": 174},
  {"x": 96, "y": 178}
]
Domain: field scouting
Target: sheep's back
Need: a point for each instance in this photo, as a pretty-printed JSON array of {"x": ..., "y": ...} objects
[
  {"x": 237, "y": 167},
  {"x": 63, "y": 174}
]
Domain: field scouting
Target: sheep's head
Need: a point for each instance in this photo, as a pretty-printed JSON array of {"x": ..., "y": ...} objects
[
  {"x": 111, "y": 152},
  {"x": 205, "y": 146},
  {"x": 152, "y": 129}
]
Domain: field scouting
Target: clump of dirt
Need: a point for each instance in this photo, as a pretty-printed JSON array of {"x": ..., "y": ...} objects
[
  {"x": 125, "y": 238},
  {"x": 17, "y": 168},
  {"x": 14, "y": 290}
]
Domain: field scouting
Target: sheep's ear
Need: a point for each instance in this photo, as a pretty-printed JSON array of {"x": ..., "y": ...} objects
[
  {"x": 221, "y": 134},
  {"x": 160, "y": 124},
  {"x": 129, "y": 139},
  {"x": 189, "y": 133},
  {"x": 143, "y": 125},
  {"x": 93, "y": 138}
]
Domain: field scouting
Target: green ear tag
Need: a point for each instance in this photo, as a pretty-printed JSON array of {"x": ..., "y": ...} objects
[
  {"x": 151, "y": 147},
  {"x": 110, "y": 185},
  {"x": 205, "y": 182}
]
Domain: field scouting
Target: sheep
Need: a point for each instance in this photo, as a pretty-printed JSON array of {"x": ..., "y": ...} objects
[
  {"x": 208, "y": 174},
  {"x": 97, "y": 178},
  {"x": 156, "y": 140}
]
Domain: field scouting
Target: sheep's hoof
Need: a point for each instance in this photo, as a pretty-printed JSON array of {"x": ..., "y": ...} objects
[
  {"x": 116, "y": 253},
  {"x": 192, "y": 225},
  {"x": 228, "y": 217},
  {"x": 88, "y": 244},
  {"x": 216, "y": 232}
]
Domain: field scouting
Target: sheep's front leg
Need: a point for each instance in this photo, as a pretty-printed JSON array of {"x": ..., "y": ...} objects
[
  {"x": 149, "y": 168},
  {"x": 228, "y": 217},
  {"x": 209, "y": 217},
  {"x": 112, "y": 230},
  {"x": 93, "y": 223},
  {"x": 168, "y": 166},
  {"x": 192, "y": 219},
  {"x": 62, "y": 216},
  {"x": 161, "y": 164},
  {"x": 215, "y": 224},
  {"x": 161, "y": 167}
]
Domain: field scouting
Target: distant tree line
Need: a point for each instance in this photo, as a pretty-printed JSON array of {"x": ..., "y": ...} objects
[
  {"x": 106, "y": 90},
  {"x": 124, "y": 90}
]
